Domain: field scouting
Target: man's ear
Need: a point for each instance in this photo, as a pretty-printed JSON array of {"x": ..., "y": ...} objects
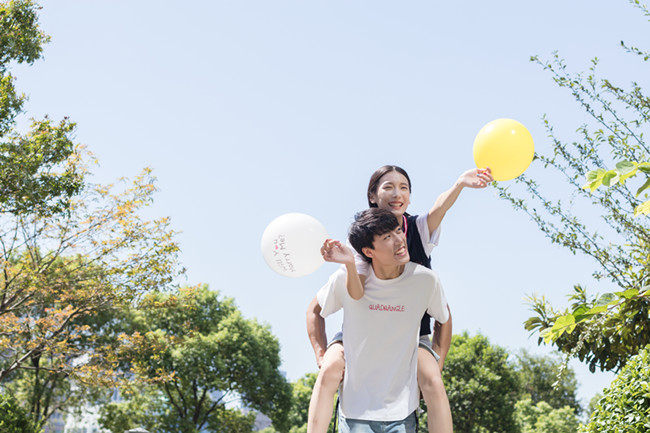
[{"x": 368, "y": 252}]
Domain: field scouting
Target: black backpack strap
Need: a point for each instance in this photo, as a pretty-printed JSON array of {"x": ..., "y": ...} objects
[{"x": 336, "y": 415}]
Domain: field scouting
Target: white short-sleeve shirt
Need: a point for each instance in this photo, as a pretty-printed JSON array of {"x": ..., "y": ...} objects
[{"x": 380, "y": 336}]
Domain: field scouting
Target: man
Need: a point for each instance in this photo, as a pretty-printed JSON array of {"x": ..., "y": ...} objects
[{"x": 380, "y": 330}]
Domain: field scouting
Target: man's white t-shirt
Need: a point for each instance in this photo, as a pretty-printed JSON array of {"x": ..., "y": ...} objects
[{"x": 380, "y": 336}]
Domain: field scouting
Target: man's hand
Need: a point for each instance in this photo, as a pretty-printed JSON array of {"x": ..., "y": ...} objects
[{"x": 334, "y": 251}]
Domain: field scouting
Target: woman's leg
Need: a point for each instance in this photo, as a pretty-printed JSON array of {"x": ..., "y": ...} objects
[
  {"x": 433, "y": 391},
  {"x": 327, "y": 382}
]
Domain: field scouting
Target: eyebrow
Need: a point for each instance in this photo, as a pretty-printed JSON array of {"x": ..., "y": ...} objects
[{"x": 399, "y": 184}]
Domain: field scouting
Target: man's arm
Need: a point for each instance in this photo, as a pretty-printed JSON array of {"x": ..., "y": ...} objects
[
  {"x": 316, "y": 330},
  {"x": 473, "y": 178},
  {"x": 442, "y": 339},
  {"x": 335, "y": 252}
]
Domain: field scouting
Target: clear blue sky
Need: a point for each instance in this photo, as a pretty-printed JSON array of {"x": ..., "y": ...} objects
[{"x": 247, "y": 110}]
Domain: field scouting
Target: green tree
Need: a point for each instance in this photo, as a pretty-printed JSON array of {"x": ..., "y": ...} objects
[
  {"x": 301, "y": 394},
  {"x": 13, "y": 418},
  {"x": 538, "y": 381},
  {"x": 603, "y": 331},
  {"x": 481, "y": 385},
  {"x": 21, "y": 41},
  {"x": 593, "y": 403},
  {"x": 141, "y": 405},
  {"x": 542, "y": 418},
  {"x": 71, "y": 253},
  {"x": 39, "y": 171},
  {"x": 64, "y": 277},
  {"x": 625, "y": 405},
  {"x": 201, "y": 354}
]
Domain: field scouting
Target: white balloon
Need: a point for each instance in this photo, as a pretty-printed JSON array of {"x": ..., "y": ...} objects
[{"x": 291, "y": 244}]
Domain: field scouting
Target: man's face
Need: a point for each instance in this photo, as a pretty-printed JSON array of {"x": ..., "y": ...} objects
[{"x": 389, "y": 248}]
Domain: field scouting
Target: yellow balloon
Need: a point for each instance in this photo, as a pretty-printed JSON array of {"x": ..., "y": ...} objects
[{"x": 505, "y": 146}]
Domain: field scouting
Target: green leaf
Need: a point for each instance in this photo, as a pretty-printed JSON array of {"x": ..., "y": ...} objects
[
  {"x": 606, "y": 299},
  {"x": 547, "y": 334},
  {"x": 580, "y": 313},
  {"x": 628, "y": 294},
  {"x": 645, "y": 167},
  {"x": 564, "y": 324},
  {"x": 610, "y": 178},
  {"x": 646, "y": 291},
  {"x": 625, "y": 173},
  {"x": 598, "y": 309},
  {"x": 642, "y": 209},
  {"x": 593, "y": 175},
  {"x": 564, "y": 321},
  {"x": 645, "y": 186},
  {"x": 625, "y": 167},
  {"x": 594, "y": 179}
]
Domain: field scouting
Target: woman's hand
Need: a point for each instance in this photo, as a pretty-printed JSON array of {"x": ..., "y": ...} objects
[{"x": 476, "y": 178}]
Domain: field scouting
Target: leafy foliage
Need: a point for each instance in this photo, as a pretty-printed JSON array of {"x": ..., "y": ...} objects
[
  {"x": 481, "y": 385},
  {"x": 39, "y": 171},
  {"x": 63, "y": 277},
  {"x": 623, "y": 171},
  {"x": 538, "y": 381},
  {"x": 21, "y": 41},
  {"x": 625, "y": 405},
  {"x": 71, "y": 253},
  {"x": 603, "y": 331},
  {"x": 301, "y": 395},
  {"x": 542, "y": 418},
  {"x": 201, "y": 354},
  {"x": 13, "y": 418}
]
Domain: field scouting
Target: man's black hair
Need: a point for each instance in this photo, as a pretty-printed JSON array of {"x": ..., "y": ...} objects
[{"x": 368, "y": 224}]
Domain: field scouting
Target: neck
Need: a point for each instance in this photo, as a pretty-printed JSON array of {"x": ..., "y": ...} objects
[
  {"x": 400, "y": 221},
  {"x": 387, "y": 272}
]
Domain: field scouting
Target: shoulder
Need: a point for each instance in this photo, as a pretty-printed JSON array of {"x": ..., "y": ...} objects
[
  {"x": 424, "y": 272},
  {"x": 339, "y": 275},
  {"x": 335, "y": 280},
  {"x": 416, "y": 220},
  {"x": 410, "y": 218},
  {"x": 419, "y": 269}
]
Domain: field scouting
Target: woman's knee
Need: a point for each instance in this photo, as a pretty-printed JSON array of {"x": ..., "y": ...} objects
[
  {"x": 431, "y": 384},
  {"x": 429, "y": 377},
  {"x": 333, "y": 367}
]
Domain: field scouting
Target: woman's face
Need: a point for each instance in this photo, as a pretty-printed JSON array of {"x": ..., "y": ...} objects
[{"x": 393, "y": 193}]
